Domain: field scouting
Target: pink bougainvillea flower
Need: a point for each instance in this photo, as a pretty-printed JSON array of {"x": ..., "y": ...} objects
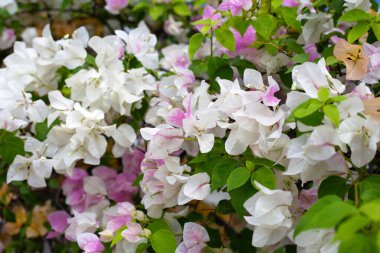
[
  {"x": 132, "y": 161},
  {"x": 307, "y": 198},
  {"x": 290, "y": 3},
  {"x": 311, "y": 49},
  {"x": 194, "y": 238},
  {"x": 90, "y": 243},
  {"x": 235, "y": 6},
  {"x": 114, "y": 6},
  {"x": 58, "y": 222},
  {"x": 133, "y": 232},
  {"x": 210, "y": 13},
  {"x": 176, "y": 116},
  {"x": 354, "y": 59},
  {"x": 243, "y": 43}
]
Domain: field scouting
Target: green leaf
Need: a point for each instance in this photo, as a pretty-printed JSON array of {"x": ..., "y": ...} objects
[
  {"x": 265, "y": 177},
  {"x": 301, "y": 58},
  {"x": 290, "y": 17},
  {"x": 265, "y": 162},
  {"x": 331, "y": 60},
  {"x": 239, "y": 24},
  {"x": 181, "y": 9},
  {"x": 350, "y": 226},
  {"x": 195, "y": 43},
  {"x": 265, "y": 26},
  {"x": 42, "y": 129},
  {"x": 332, "y": 113},
  {"x": 327, "y": 212},
  {"x": 275, "y": 4},
  {"x": 358, "y": 243},
  {"x": 163, "y": 241},
  {"x": 226, "y": 38},
  {"x": 323, "y": 94},
  {"x": 159, "y": 224},
  {"x": 237, "y": 178},
  {"x": 240, "y": 195},
  {"x": 156, "y": 11},
  {"x": 64, "y": 5},
  {"x": 357, "y": 31},
  {"x": 222, "y": 172},
  {"x": 376, "y": 29},
  {"x": 141, "y": 248},
  {"x": 372, "y": 210},
  {"x": 333, "y": 185},
  {"x": 355, "y": 15},
  {"x": 370, "y": 188},
  {"x": 10, "y": 146},
  {"x": 118, "y": 237},
  {"x": 250, "y": 165},
  {"x": 307, "y": 108}
]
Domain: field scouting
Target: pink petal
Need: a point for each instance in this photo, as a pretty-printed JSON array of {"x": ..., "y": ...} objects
[
  {"x": 175, "y": 117},
  {"x": 268, "y": 98},
  {"x": 58, "y": 221},
  {"x": 90, "y": 243}
]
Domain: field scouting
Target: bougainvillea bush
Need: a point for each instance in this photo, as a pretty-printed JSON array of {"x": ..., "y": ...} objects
[{"x": 190, "y": 126}]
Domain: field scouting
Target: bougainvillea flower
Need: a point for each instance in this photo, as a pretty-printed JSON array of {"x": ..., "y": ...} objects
[
  {"x": 235, "y": 6},
  {"x": 58, "y": 222},
  {"x": 115, "y": 6},
  {"x": 90, "y": 243},
  {"x": 354, "y": 59}
]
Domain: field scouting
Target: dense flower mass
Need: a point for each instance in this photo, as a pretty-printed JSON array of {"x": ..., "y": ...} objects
[{"x": 189, "y": 126}]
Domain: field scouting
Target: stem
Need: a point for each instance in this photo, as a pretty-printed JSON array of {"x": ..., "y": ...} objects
[
  {"x": 211, "y": 42},
  {"x": 356, "y": 193}
]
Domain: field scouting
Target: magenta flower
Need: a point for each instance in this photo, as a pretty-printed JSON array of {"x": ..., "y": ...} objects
[
  {"x": 210, "y": 13},
  {"x": 58, "y": 222},
  {"x": 235, "y": 6},
  {"x": 90, "y": 243}
]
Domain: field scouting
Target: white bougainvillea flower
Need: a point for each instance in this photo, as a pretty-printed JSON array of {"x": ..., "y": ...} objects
[
  {"x": 253, "y": 79},
  {"x": 316, "y": 241},
  {"x": 361, "y": 135},
  {"x": 316, "y": 24},
  {"x": 314, "y": 156},
  {"x": 175, "y": 56},
  {"x": 195, "y": 238},
  {"x": 141, "y": 42},
  {"x": 195, "y": 187},
  {"x": 35, "y": 168},
  {"x": 85, "y": 222},
  {"x": 364, "y": 5},
  {"x": 163, "y": 140},
  {"x": 271, "y": 217},
  {"x": 9, "y": 5},
  {"x": 310, "y": 77}
]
